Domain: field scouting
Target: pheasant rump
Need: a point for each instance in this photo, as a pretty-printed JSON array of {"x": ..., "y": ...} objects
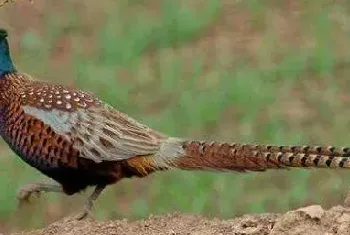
[{"x": 79, "y": 141}]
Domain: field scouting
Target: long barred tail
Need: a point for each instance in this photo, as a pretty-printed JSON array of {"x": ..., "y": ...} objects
[{"x": 242, "y": 157}]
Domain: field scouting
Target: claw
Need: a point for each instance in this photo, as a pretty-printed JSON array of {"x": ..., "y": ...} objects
[
  {"x": 25, "y": 192},
  {"x": 5, "y": 2},
  {"x": 84, "y": 214},
  {"x": 11, "y": 1}
]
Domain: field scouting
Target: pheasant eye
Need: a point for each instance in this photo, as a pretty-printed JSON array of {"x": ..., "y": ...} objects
[{"x": 3, "y": 33}]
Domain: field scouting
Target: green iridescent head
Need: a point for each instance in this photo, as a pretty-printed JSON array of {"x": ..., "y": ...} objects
[{"x": 6, "y": 65}]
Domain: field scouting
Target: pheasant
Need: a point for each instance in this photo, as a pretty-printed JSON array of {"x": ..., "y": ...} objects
[{"x": 79, "y": 141}]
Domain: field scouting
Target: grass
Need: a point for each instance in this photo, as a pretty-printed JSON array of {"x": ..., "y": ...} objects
[{"x": 248, "y": 71}]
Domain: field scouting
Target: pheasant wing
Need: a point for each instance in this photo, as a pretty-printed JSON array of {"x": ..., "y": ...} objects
[
  {"x": 97, "y": 130},
  {"x": 104, "y": 134}
]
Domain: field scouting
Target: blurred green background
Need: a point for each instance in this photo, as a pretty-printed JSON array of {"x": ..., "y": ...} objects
[{"x": 245, "y": 71}]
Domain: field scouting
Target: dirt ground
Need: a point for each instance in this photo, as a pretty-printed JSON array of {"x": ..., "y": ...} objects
[{"x": 312, "y": 220}]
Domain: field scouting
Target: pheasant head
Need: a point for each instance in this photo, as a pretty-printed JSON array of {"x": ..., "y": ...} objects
[{"x": 6, "y": 65}]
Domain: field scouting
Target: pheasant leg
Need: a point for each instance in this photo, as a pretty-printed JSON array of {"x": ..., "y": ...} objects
[
  {"x": 90, "y": 202},
  {"x": 25, "y": 192}
]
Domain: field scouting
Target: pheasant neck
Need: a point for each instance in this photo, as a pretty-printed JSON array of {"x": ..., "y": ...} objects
[{"x": 6, "y": 65}]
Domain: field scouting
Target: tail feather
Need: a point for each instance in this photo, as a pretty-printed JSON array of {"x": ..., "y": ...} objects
[{"x": 242, "y": 157}]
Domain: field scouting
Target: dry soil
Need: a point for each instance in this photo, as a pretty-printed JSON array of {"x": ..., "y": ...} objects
[{"x": 310, "y": 220}]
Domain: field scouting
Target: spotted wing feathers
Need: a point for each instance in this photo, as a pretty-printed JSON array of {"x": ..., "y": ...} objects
[
  {"x": 100, "y": 133},
  {"x": 50, "y": 96}
]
